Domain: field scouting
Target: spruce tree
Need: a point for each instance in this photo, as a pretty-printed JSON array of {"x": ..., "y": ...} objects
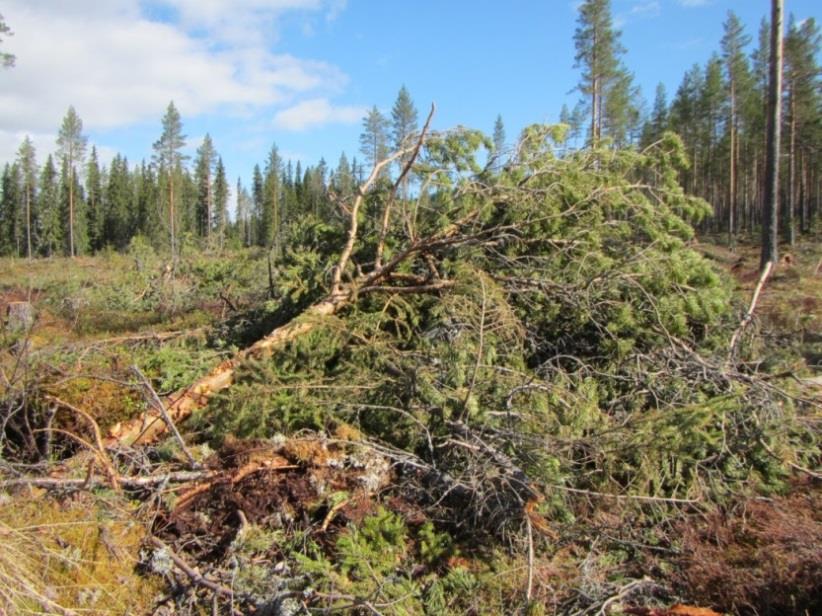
[
  {"x": 257, "y": 193},
  {"x": 48, "y": 205},
  {"x": 403, "y": 126},
  {"x": 657, "y": 123},
  {"x": 116, "y": 227},
  {"x": 499, "y": 136},
  {"x": 10, "y": 210},
  {"x": 204, "y": 177},
  {"x": 27, "y": 162},
  {"x": 169, "y": 158},
  {"x": 343, "y": 178},
  {"x": 148, "y": 218},
  {"x": 94, "y": 202},
  {"x": 244, "y": 214},
  {"x": 221, "y": 194},
  {"x": 72, "y": 146},
  {"x": 270, "y": 215}
]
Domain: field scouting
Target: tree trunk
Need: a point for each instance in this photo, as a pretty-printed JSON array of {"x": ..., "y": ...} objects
[
  {"x": 769, "y": 252},
  {"x": 171, "y": 219},
  {"x": 791, "y": 205},
  {"x": 197, "y": 395},
  {"x": 732, "y": 173},
  {"x": 28, "y": 221},
  {"x": 71, "y": 207}
]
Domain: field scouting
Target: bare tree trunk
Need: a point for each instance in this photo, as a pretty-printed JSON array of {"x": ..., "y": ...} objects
[
  {"x": 171, "y": 219},
  {"x": 732, "y": 173},
  {"x": 28, "y": 221},
  {"x": 791, "y": 205},
  {"x": 770, "y": 252},
  {"x": 71, "y": 207}
]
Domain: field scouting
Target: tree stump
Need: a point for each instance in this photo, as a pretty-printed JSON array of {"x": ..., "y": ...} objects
[{"x": 19, "y": 316}]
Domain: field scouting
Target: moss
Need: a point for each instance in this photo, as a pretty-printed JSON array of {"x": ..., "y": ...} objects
[{"x": 79, "y": 554}]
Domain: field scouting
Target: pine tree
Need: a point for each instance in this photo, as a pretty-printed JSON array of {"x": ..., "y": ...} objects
[
  {"x": 597, "y": 52},
  {"x": 169, "y": 157},
  {"x": 373, "y": 139},
  {"x": 709, "y": 123},
  {"x": 804, "y": 102},
  {"x": 72, "y": 146},
  {"x": 204, "y": 177},
  {"x": 48, "y": 204},
  {"x": 770, "y": 253},
  {"x": 27, "y": 162},
  {"x": 6, "y": 59},
  {"x": 737, "y": 72}
]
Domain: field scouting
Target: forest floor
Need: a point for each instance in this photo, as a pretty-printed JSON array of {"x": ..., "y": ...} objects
[{"x": 215, "y": 520}]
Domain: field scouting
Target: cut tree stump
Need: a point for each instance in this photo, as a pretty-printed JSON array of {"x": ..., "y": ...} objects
[{"x": 19, "y": 316}]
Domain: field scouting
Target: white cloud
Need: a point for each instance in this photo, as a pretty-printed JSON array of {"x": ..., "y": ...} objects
[
  {"x": 119, "y": 64},
  {"x": 650, "y": 8},
  {"x": 316, "y": 112}
]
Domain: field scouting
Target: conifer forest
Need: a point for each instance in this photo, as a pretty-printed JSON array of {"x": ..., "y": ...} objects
[{"x": 575, "y": 370}]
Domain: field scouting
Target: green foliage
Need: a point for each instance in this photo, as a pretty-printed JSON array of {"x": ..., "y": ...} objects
[{"x": 561, "y": 325}]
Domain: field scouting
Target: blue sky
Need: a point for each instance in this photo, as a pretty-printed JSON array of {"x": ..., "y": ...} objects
[{"x": 301, "y": 73}]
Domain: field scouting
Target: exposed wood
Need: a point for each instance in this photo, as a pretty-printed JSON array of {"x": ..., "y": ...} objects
[
  {"x": 405, "y": 171},
  {"x": 155, "y": 401},
  {"x": 19, "y": 316},
  {"x": 89, "y": 483},
  {"x": 746, "y": 320}
]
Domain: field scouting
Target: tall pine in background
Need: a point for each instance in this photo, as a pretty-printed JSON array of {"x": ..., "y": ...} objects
[
  {"x": 71, "y": 144},
  {"x": 169, "y": 158},
  {"x": 604, "y": 81},
  {"x": 374, "y": 137}
]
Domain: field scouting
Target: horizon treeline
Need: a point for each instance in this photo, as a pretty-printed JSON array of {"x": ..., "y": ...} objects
[{"x": 70, "y": 204}]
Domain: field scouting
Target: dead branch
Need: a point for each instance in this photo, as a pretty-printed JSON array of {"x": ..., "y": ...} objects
[
  {"x": 89, "y": 483},
  {"x": 99, "y": 449},
  {"x": 386, "y": 215},
  {"x": 154, "y": 399},
  {"x": 766, "y": 271},
  {"x": 194, "y": 575},
  {"x": 353, "y": 227}
]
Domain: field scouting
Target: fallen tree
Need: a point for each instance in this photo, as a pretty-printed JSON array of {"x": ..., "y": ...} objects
[{"x": 525, "y": 343}]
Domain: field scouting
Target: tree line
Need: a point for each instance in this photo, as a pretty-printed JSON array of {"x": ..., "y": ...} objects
[
  {"x": 720, "y": 112},
  {"x": 71, "y": 204}
]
